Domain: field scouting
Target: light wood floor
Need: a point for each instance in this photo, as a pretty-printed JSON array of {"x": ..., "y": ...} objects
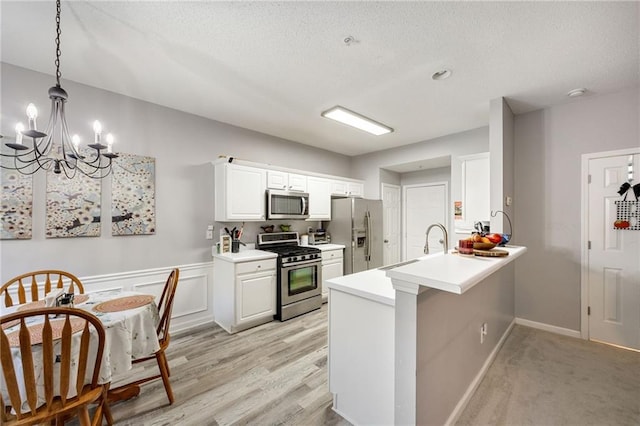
[{"x": 272, "y": 374}]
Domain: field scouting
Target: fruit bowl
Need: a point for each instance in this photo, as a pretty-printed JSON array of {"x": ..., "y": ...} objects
[{"x": 483, "y": 246}]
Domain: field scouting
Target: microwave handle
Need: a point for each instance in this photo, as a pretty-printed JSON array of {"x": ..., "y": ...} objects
[{"x": 304, "y": 205}]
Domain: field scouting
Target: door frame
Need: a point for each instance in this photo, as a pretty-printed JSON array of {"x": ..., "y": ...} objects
[
  {"x": 403, "y": 251},
  {"x": 399, "y": 206},
  {"x": 584, "y": 232}
]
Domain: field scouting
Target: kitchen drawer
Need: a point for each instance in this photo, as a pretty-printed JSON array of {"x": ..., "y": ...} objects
[
  {"x": 330, "y": 255},
  {"x": 257, "y": 266}
]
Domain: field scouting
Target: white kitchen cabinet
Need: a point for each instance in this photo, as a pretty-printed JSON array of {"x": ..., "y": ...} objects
[
  {"x": 332, "y": 267},
  {"x": 239, "y": 193},
  {"x": 244, "y": 293},
  {"x": 319, "y": 198},
  {"x": 339, "y": 188},
  {"x": 343, "y": 188},
  {"x": 286, "y": 181},
  {"x": 355, "y": 189}
]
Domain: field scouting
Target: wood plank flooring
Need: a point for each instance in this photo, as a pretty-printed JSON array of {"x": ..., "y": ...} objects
[{"x": 272, "y": 374}]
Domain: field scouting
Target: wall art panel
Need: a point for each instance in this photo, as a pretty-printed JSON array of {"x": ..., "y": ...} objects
[
  {"x": 16, "y": 205},
  {"x": 133, "y": 195},
  {"x": 73, "y": 206}
]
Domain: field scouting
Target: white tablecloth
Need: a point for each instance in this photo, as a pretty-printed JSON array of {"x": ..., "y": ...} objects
[{"x": 129, "y": 334}]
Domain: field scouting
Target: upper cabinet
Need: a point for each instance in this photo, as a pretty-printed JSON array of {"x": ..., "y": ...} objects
[
  {"x": 286, "y": 181},
  {"x": 239, "y": 193},
  {"x": 319, "y": 198},
  {"x": 240, "y": 190},
  {"x": 343, "y": 188}
]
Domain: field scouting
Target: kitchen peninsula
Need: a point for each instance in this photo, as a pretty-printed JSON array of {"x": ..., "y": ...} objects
[{"x": 409, "y": 343}]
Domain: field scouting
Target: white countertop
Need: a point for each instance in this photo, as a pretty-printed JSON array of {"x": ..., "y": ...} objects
[
  {"x": 245, "y": 256},
  {"x": 372, "y": 284},
  {"x": 454, "y": 273},
  {"x": 325, "y": 247}
]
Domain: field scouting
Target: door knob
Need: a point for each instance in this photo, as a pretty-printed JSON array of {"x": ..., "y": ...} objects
[{"x": 386, "y": 241}]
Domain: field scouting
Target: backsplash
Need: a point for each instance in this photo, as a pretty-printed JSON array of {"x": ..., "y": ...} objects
[{"x": 252, "y": 229}]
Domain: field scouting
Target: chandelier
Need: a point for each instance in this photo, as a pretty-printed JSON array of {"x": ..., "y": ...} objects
[{"x": 54, "y": 149}]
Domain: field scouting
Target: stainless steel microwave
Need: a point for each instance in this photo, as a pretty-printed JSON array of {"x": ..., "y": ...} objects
[{"x": 287, "y": 204}]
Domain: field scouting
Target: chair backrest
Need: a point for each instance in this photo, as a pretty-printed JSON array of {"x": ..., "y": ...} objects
[
  {"x": 39, "y": 343},
  {"x": 165, "y": 305},
  {"x": 33, "y": 286}
]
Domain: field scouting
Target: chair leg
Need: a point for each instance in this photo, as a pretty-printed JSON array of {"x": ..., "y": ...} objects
[
  {"x": 83, "y": 415},
  {"x": 166, "y": 363},
  {"x": 162, "y": 364},
  {"x": 104, "y": 404}
]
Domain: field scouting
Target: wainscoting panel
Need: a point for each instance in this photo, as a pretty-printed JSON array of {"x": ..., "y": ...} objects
[{"x": 193, "y": 304}]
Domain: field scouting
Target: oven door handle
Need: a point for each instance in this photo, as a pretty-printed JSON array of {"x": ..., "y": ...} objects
[{"x": 303, "y": 263}]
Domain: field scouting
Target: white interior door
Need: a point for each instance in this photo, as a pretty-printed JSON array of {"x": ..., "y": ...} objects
[
  {"x": 424, "y": 204},
  {"x": 391, "y": 223},
  {"x": 613, "y": 261}
]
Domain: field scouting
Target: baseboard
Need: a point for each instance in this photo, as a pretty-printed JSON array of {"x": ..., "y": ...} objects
[
  {"x": 462, "y": 404},
  {"x": 548, "y": 327}
]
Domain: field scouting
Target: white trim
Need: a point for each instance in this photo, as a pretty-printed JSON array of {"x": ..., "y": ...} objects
[
  {"x": 403, "y": 237},
  {"x": 548, "y": 327},
  {"x": 193, "y": 305},
  {"x": 584, "y": 232},
  {"x": 142, "y": 273},
  {"x": 462, "y": 404},
  {"x": 399, "y": 206}
]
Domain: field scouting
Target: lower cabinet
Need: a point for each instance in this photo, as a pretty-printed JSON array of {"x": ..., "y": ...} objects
[
  {"x": 244, "y": 293},
  {"x": 332, "y": 267}
]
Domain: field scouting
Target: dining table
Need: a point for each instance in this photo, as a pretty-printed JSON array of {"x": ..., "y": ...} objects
[{"x": 130, "y": 320}]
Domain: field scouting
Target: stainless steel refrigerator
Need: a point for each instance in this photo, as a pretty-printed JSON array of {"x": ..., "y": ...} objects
[{"x": 357, "y": 223}]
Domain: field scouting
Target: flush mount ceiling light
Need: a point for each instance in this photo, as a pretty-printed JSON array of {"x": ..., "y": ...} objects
[
  {"x": 577, "y": 92},
  {"x": 54, "y": 149},
  {"x": 356, "y": 120},
  {"x": 441, "y": 75}
]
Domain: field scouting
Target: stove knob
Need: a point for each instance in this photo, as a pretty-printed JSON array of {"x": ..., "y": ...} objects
[
  {"x": 294, "y": 258},
  {"x": 303, "y": 257}
]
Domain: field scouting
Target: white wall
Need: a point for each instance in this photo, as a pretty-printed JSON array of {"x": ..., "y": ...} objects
[
  {"x": 367, "y": 167},
  {"x": 183, "y": 145},
  {"x": 548, "y": 148}
]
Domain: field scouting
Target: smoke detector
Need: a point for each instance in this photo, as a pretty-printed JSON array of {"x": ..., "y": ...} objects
[{"x": 576, "y": 92}]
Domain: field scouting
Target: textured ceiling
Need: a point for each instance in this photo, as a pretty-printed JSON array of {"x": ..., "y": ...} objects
[{"x": 275, "y": 66}]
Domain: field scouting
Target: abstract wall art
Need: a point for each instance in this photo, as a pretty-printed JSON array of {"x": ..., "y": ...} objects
[
  {"x": 16, "y": 205},
  {"x": 72, "y": 206},
  {"x": 133, "y": 195}
]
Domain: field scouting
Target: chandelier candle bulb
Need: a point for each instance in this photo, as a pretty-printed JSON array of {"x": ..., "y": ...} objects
[
  {"x": 32, "y": 113},
  {"x": 97, "y": 128},
  {"x": 75, "y": 139},
  {"x": 19, "y": 130},
  {"x": 109, "y": 143}
]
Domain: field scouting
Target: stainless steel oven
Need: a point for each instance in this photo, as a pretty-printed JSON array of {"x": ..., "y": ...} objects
[
  {"x": 300, "y": 287},
  {"x": 299, "y": 284}
]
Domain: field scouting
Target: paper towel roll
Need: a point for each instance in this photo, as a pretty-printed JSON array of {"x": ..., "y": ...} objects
[{"x": 304, "y": 240}]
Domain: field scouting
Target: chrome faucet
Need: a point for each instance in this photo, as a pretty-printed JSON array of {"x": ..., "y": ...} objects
[{"x": 444, "y": 241}]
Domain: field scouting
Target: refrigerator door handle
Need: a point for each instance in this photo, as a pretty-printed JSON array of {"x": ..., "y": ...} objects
[{"x": 367, "y": 234}]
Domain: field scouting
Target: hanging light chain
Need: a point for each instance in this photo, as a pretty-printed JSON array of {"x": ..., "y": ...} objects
[{"x": 58, "y": 52}]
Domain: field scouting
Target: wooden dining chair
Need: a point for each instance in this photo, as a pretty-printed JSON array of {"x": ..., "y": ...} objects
[
  {"x": 43, "y": 345},
  {"x": 33, "y": 286},
  {"x": 165, "y": 306}
]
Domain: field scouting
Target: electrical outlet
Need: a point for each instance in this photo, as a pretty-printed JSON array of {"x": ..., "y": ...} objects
[
  {"x": 508, "y": 200},
  {"x": 209, "y": 234},
  {"x": 483, "y": 332}
]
